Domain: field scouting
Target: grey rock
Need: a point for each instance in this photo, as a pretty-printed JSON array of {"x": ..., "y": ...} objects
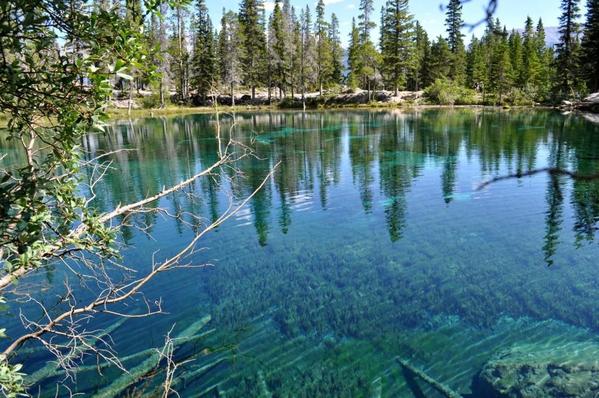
[{"x": 534, "y": 371}]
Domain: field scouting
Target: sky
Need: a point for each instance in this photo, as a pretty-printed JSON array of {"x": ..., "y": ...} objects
[{"x": 512, "y": 13}]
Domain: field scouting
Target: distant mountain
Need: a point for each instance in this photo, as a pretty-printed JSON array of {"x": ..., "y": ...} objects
[{"x": 551, "y": 35}]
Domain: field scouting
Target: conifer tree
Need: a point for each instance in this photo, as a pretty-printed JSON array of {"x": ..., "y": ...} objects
[
  {"x": 336, "y": 51},
  {"x": 178, "y": 52},
  {"x": 530, "y": 57},
  {"x": 297, "y": 53},
  {"x": 543, "y": 84},
  {"x": 397, "y": 43},
  {"x": 309, "y": 69},
  {"x": 323, "y": 49},
  {"x": 476, "y": 65},
  {"x": 353, "y": 55},
  {"x": 254, "y": 42},
  {"x": 417, "y": 73},
  {"x": 204, "y": 55},
  {"x": 366, "y": 24},
  {"x": 516, "y": 55},
  {"x": 568, "y": 50},
  {"x": 455, "y": 40},
  {"x": 590, "y": 46},
  {"x": 278, "y": 55},
  {"x": 500, "y": 73},
  {"x": 230, "y": 47},
  {"x": 439, "y": 66}
]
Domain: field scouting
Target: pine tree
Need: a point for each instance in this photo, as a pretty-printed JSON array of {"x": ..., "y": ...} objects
[
  {"x": 309, "y": 69},
  {"x": 455, "y": 40},
  {"x": 254, "y": 46},
  {"x": 530, "y": 57},
  {"x": 476, "y": 65},
  {"x": 296, "y": 57},
  {"x": 353, "y": 55},
  {"x": 230, "y": 47},
  {"x": 417, "y": 73},
  {"x": 546, "y": 64},
  {"x": 179, "y": 55},
  {"x": 323, "y": 49},
  {"x": 336, "y": 51},
  {"x": 366, "y": 23},
  {"x": 278, "y": 55},
  {"x": 289, "y": 24},
  {"x": 516, "y": 56},
  {"x": 397, "y": 43},
  {"x": 439, "y": 65},
  {"x": 500, "y": 71},
  {"x": 590, "y": 46},
  {"x": 204, "y": 56},
  {"x": 568, "y": 50}
]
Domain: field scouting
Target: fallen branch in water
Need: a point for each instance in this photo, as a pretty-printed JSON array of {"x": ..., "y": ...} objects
[
  {"x": 120, "y": 294},
  {"x": 441, "y": 388},
  {"x": 553, "y": 171}
]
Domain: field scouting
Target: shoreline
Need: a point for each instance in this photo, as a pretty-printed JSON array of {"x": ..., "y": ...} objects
[{"x": 116, "y": 114}]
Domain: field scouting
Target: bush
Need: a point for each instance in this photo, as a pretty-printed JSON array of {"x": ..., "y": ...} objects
[
  {"x": 150, "y": 101},
  {"x": 448, "y": 92},
  {"x": 519, "y": 97}
]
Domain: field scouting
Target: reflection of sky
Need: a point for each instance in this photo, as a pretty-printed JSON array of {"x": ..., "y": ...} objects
[{"x": 512, "y": 13}]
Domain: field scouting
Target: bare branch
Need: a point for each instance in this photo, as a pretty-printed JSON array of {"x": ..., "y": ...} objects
[
  {"x": 121, "y": 294},
  {"x": 553, "y": 171}
]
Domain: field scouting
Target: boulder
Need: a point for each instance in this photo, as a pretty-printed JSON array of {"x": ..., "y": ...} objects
[
  {"x": 593, "y": 98},
  {"x": 535, "y": 371},
  {"x": 590, "y": 103}
]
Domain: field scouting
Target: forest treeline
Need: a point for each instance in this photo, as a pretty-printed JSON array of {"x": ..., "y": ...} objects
[{"x": 290, "y": 52}]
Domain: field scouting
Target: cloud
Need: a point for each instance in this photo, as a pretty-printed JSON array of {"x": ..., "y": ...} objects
[
  {"x": 351, "y": 6},
  {"x": 269, "y": 5},
  {"x": 329, "y": 2}
]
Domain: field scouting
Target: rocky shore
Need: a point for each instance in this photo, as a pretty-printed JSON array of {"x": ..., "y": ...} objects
[{"x": 589, "y": 104}]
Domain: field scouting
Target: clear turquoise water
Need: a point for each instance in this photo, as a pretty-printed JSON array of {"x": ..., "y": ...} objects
[{"x": 370, "y": 242}]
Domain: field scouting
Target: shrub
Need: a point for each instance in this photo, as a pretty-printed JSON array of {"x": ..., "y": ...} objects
[
  {"x": 448, "y": 92},
  {"x": 150, "y": 101}
]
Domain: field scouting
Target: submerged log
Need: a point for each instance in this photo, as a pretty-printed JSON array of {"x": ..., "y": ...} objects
[
  {"x": 52, "y": 367},
  {"x": 441, "y": 388}
]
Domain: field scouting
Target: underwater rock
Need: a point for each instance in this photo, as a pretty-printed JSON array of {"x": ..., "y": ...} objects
[{"x": 530, "y": 371}]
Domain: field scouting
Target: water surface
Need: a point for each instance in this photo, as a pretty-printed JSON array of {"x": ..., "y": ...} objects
[{"x": 371, "y": 241}]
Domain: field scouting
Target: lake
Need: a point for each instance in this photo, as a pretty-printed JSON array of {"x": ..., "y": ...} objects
[{"x": 373, "y": 241}]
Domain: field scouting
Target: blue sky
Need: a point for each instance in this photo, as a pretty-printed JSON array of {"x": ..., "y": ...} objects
[{"x": 512, "y": 13}]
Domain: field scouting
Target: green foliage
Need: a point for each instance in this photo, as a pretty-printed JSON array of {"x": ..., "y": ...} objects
[
  {"x": 568, "y": 82},
  {"x": 439, "y": 66},
  {"x": 590, "y": 46},
  {"x": 11, "y": 378},
  {"x": 455, "y": 41},
  {"x": 151, "y": 101},
  {"x": 418, "y": 66},
  {"x": 252, "y": 27},
  {"x": 204, "y": 62},
  {"x": 397, "y": 43},
  {"x": 448, "y": 92},
  {"x": 40, "y": 202}
]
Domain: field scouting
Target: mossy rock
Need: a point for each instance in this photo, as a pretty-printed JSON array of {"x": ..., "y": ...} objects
[{"x": 533, "y": 371}]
